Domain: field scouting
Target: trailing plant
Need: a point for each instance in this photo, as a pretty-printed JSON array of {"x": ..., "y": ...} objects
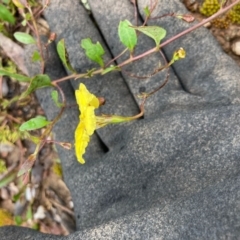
[{"x": 88, "y": 102}]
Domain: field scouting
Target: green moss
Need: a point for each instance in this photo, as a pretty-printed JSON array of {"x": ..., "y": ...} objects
[
  {"x": 209, "y": 7},
  {"x": 234, "y": 14},
  {"x": 3, "y": 167}
]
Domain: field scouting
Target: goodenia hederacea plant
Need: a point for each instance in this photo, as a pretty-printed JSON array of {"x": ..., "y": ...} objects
[{"x": 89, "y": 122}]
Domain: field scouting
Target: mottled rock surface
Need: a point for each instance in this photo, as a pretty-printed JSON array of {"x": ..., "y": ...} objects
[{"x": 174, "y": 174}]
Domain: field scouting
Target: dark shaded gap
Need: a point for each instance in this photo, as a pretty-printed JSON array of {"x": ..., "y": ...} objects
[{"x": 91, "y": 16}]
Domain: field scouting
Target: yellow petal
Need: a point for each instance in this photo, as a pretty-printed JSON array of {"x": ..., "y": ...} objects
[
  {"x": 85, "y": 98},
  {"x": 88, "y": 118},
  {"x": 81, "y": 142}
]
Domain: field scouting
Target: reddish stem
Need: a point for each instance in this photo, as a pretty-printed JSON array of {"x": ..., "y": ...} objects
[{"x": 180, "y": 34}]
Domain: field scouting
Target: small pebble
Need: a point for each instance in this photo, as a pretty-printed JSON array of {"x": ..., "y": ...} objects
[
  {"x": 236, "y": 47},
  {"x": 207, "y": 25},
  {"x": 4, "y": 193},
  {"x": 6, "y": 147},
  {"x": 71, "y": 205},
  {"x": 40, "y": 213},
  {"x": 30, "y": 193},
  {"x": 5, "y": 87},
  {"x": 57, "y": 218}
]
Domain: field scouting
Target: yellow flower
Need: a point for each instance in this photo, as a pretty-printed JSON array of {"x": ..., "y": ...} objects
[
  {"x": 87, "y": 104},
  {"x": 89, "y": 121}
]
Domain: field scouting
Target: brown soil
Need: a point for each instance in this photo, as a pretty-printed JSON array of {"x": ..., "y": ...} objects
[{"x": 226, "y": 33}]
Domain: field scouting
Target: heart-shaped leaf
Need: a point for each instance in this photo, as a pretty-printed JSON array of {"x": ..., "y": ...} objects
[
  {"x": 127, "y": 34},
  {"x": 94, "y": 51},
  {"x": 154, "y": 32}
]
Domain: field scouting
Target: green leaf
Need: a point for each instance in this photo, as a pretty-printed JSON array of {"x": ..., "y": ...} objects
[
  {"x": 127, "y": 35},
  {"x": 18, "y": 3},
  {"x": 24, "y": 22},
  {"x": 36, "y": 56},
  {"x": 34, "y": 123},
  {"x": 110, "y": 69},
  {"x": 24, "y": 38},
  {"x": 54, "y": 95},
  {"x": 3, "y": 29},
  {"x": 6, "y": 15},
  {"x": 28, "y": 16},
  {"x": 93, "y": 51},
  {"x": 27, "y": 166},
  {"x": 147, "y": 11},
  {"x": 19, "y": 77},
  {"x": 29, "y": 214},
  {"x": 39, "y": 81},
  {"x": 154, "y": 32},
  {"x": 7, "y": 178},
  {"x": 62, "y": 53},
  {"x": 3, "y": 167},
  {"x": 18, "y": 220},
  {"x": 35, "y": 226}
]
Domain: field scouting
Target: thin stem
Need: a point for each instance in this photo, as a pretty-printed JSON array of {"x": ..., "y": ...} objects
[
  {"x": 76, "y": 76},
  {"x": 38, "y": 38},
  {"x": 162, "y": 16},
  {"x": 155, "y": 49},
  {"x": 1, "y": 80},
  {"x": 63, "y": 79},
  {"x": 199, "y": 24},
  {"x": 134, "y": 2},
  {"x": 141, "y": 111},
  {"x": 13, "y": 118},
  {"x": 65, "y": 209},
  {"x": 50, "y": 126},
  {"x": 125, "y": 50},
  {"x": 47, "y": 2},
  {"x": 152, "y": 8},
  {"x": 62, "y": 94}
]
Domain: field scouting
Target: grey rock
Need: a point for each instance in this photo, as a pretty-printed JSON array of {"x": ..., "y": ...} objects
[{"x": 173, "y": 174}]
